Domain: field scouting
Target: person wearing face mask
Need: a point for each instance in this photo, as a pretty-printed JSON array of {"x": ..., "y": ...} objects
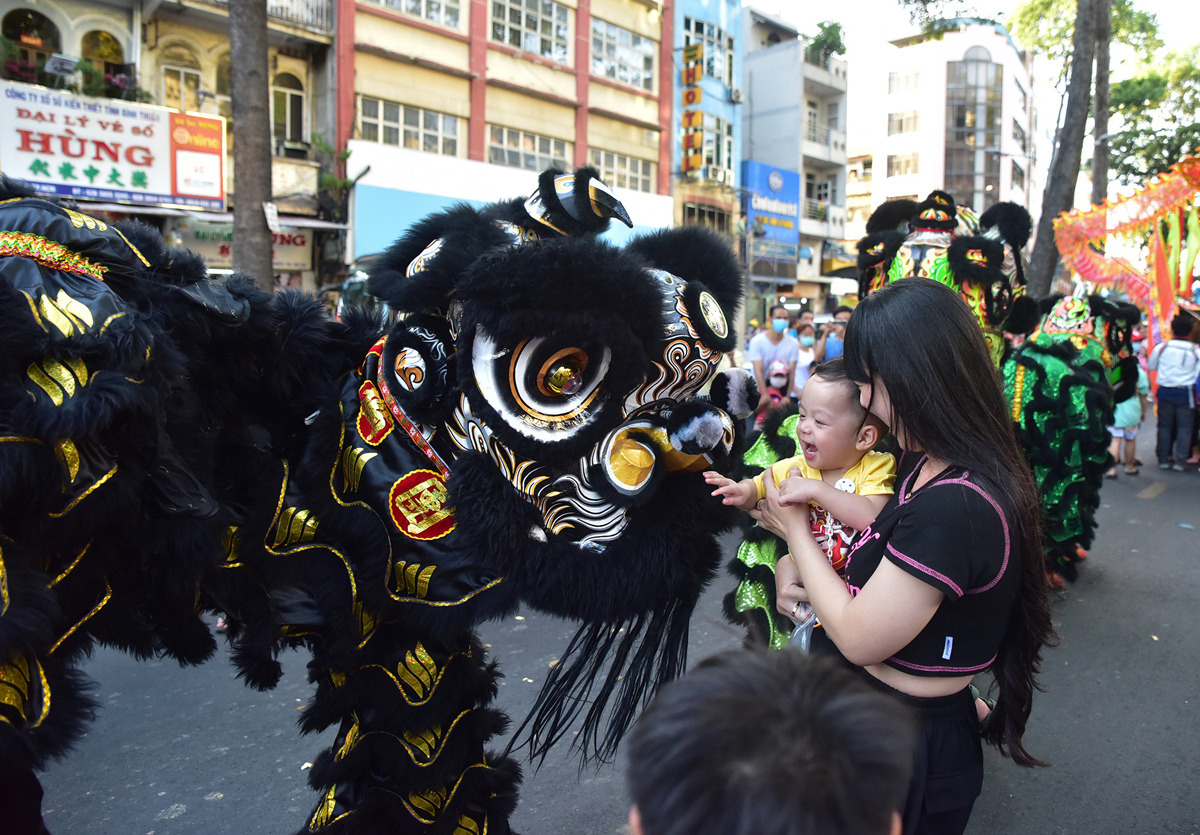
[
  {"x": 829, "y": 346},
  {"x": 807, "y": 337},
  {"x": 774, "y": 345}
]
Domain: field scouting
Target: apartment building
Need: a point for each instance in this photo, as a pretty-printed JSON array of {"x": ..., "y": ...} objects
[
  {"x": 795, "y": 122},
  {"x": 709, "y": 114},
  {"x": 455, "y": 101},
  {"x": 957, "y": 115}
]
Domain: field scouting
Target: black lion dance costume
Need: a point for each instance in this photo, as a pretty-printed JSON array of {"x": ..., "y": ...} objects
[
  {"x": 1073, "y": 363},
  {"x": 531, "y": 431}
]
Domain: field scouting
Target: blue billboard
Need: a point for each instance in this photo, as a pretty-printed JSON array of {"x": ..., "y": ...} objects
[{"x": 772, "y": 204}]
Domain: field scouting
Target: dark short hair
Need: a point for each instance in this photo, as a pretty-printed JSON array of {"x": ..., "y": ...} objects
[
  {"x": 779, "y": 307},
  {"x": 1182, "y": 325},
  {"x": 834, "y": 371},
  {"x": 842, "y": 309},
  {"x": 779, "y": 743}
]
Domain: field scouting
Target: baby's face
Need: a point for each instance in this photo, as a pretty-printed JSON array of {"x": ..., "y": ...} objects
[{"x": 829, "y": 426}]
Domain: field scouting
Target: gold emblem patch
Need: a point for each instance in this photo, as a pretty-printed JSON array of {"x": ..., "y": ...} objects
[{"x": 418, "y": 505}]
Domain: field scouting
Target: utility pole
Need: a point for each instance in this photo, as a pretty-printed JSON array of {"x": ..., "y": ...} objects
[
  {"x": 1064, "y": 171},
  {"x": 251, "y": 139}
]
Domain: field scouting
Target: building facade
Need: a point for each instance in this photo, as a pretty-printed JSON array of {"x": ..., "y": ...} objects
[
  {"x": 455, "y": 101},
  {"x": 958, "y": 116},
  {"x": 795, "y": 121},
  {"x": 175, "y": 58},
  {"x": 707, "y": 193}
]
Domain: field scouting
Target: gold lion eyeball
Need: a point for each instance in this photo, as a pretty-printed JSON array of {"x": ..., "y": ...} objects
[{"x": 565, "y": 379}]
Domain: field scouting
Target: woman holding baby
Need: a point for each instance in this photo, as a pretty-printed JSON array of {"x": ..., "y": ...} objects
[{"x": 948, "y": 581}]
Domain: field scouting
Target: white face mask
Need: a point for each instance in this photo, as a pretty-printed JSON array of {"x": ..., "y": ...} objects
[{"x": 778, "y": 382}]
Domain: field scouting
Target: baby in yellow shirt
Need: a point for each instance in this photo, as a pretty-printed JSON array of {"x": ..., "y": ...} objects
[{"x": 845, "y": 482}]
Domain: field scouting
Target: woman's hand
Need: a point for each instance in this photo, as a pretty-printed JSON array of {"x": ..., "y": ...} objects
[
  {"x": 790, "y": 594},
  {"x": 786, "y": 522}
]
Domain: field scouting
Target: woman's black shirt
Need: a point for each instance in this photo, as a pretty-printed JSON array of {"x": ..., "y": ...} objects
[{"x": 953, "y": 535}]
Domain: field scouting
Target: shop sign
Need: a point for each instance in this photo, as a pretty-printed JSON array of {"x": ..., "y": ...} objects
[
  {"x": 773, "y": 207},
  {"x": 111, "y": 150},
  {"x": 291, "y": 249}
]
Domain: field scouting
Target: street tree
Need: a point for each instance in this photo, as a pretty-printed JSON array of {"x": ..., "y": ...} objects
[
  {"x": 1158, "y": 110},
  {"x": 1100, "y": 103},
  {"x": 251, "y": 139},
  {"x": 1064, "y": 167}
]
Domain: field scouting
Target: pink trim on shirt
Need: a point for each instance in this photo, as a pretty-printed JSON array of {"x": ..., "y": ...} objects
[
  {"x": 925, "y": 669},
  {"x": 926, "y": 569},
  {"x": 903, "y": 491},
  {"x": 1003, "y": 523}
]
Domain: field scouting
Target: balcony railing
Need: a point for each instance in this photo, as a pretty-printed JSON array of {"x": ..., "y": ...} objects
[
  {"x": 816, "y": 209},
  {"x": 315, "y": 15},
  {"x": 309, "y": 14}
]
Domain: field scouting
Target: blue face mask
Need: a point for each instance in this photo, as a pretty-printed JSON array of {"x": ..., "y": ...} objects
[
  {"x": 780, "y": 325},
  {"x": 806, "y": 341}
]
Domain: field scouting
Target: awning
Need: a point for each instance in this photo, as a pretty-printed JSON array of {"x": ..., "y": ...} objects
[
  {"x": 130, "y": 209},
  {"x": 294, "y": 221}
]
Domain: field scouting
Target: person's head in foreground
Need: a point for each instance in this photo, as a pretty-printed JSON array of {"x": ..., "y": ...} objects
[{"x": 780, "y": 743}]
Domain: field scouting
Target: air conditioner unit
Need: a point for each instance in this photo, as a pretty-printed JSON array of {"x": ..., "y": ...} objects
[
  {"x": 714, "y": 174},
  {"x": 735, "y": 96}
]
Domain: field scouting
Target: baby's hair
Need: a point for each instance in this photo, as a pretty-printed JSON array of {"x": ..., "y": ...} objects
[{"x": 834, "y": 371}]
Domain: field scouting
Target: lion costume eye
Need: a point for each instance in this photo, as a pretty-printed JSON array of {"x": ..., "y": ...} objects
[{"x": 544, "y": 387}]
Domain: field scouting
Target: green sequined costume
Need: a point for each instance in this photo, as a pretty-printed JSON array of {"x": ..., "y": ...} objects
[
  {"x": 753, "y": 601},
  {"x": 1057, "y": 384}
]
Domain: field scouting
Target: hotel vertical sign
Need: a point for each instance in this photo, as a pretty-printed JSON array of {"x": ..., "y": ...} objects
[{"x": 692, "y": 158}]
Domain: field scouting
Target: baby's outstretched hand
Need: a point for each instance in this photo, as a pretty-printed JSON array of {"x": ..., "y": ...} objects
[{"x": 730, "y": 491}]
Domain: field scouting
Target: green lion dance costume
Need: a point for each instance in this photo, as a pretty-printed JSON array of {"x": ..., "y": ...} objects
[
  {"x": 1062, "y": 380},
  {"x": 532, "y": 431}
]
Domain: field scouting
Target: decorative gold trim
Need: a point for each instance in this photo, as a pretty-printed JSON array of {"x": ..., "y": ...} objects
[
  {"x": 413, "y": 578},
  {"x": 430, "y": 742},
  {"x": 37, "y": 317},
  {"x": 468, "y": 826},
  {"x": 68, "y": 455},
  {"x": 458, "y": 602},
  {"x": 136, "y": 251},
  {"x": 16, "y": 688},
  {"x": 1018, "y": 390},
  {"x": 295, "y": 525},
  {"x": 107, "y": 596},
  {"x": 84, "y": 495},
  {"x": 321, "y": 816},
  {"x": 109, "y": 320},
  {"x": 45, "y": 383},
  {"x": 3, "y": 585},
  {"x": 70, "y": 567},
  {"x": 440, "y": 797},
  {"x": 350, "y": 741}
]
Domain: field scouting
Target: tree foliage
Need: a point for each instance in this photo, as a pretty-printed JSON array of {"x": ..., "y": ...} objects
[
  {"x": 1158, "y": 109},
  {"x": 827, "y": 42},
  {"x": 1046, "y": 27}
]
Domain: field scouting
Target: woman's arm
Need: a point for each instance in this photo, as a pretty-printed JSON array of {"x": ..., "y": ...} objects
[{"x": 885, "y": 616}]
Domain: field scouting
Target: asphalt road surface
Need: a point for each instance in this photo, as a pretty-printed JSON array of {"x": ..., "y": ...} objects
[{"x": 194, "y": 751}]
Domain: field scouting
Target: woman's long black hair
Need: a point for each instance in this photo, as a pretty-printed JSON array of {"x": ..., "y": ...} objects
[{"x": 920, "y": 340}]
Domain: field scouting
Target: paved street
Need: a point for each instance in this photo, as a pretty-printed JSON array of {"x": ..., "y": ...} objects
[{"x": 193, "y": 751}]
